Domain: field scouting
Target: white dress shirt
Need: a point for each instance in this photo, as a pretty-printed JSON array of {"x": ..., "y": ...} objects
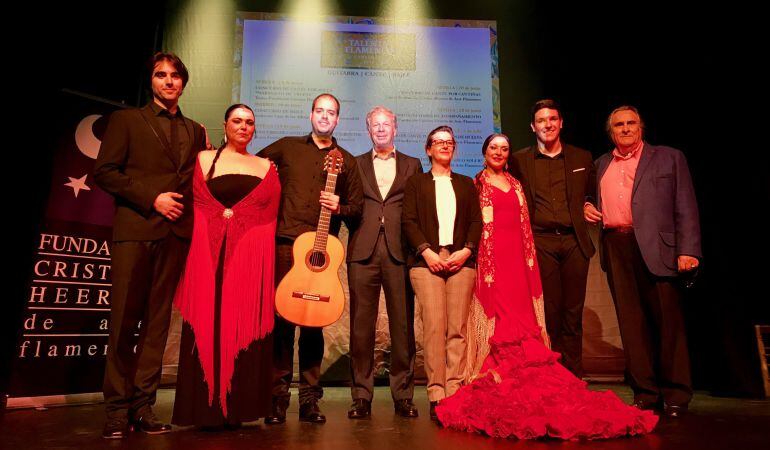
[
  {"x": 384, "y": 171},
  {"x": 446, "y": 208}
]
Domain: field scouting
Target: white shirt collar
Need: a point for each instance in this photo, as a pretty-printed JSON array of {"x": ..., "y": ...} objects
[{"x": 392, "y": 154}]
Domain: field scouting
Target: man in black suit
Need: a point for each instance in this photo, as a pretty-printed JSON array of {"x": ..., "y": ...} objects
[
  {"x": 556, "y": 177},
  {"x": 376, "y": 260},
  {"x": 146, "y": 162}
]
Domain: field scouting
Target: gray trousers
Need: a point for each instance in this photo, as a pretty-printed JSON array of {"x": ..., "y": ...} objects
[{"x": 365, "y": 279}]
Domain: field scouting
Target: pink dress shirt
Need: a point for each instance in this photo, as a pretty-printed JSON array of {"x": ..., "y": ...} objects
[{"x": 616, "y": 187}]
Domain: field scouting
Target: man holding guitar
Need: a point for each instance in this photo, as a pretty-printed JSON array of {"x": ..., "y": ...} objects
[{"x": 300, "y": 161}]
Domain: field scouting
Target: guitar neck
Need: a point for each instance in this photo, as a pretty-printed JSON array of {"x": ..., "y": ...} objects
[{"x": 322, "y": 231}]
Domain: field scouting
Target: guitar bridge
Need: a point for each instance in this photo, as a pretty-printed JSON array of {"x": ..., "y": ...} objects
[{"x": 310, "y": 296}]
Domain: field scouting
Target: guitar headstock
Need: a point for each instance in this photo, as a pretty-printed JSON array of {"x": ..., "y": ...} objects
[{"x": 333, "y": 163}]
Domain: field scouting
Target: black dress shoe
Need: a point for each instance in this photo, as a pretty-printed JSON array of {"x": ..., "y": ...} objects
[
  {"x": 360, "y": 409},
  {"x": 646, "y": 405},
  {"x": 148, "y": 423},
  {"x": 278, "y": 414},
  {"x": 310, "y": 412},
  {"x": 433, "y": 415},
  {"x": 675, "y": 411},
  {"x": 115, "y": 429},
  {"x": 233, "y": 425},
  {"x": 405, "y": 408}
]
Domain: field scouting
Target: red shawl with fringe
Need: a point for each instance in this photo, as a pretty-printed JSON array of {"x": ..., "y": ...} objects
[{"x": 248, "y": 287}]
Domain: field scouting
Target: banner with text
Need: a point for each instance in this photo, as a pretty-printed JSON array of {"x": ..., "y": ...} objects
[
  {"x": 429, "y": 72},
  {"x": 65, "y": 323}
]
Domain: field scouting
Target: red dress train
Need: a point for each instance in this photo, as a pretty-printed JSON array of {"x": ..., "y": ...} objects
[{"x": 521, "y": 390}]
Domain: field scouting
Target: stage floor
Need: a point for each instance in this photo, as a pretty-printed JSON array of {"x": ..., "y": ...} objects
[{"x": 713, "y": 423}]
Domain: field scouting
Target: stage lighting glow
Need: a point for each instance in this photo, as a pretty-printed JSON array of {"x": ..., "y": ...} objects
[
  {"x": 405, "y": 11},
  {"x": 308, "y": 10}
]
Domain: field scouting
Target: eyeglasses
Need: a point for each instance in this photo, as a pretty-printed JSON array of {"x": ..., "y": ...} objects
[{"x": 439, "y": 143}]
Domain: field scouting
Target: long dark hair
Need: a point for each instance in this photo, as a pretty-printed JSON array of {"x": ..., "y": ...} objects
[{"x": 228, "y": 113}]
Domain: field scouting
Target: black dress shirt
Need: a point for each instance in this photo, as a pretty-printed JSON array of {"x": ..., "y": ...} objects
[
  {"x": 167, "y": 121},
  {"x": 550, "y": 193},
  {"x": 300, "y": 168}
]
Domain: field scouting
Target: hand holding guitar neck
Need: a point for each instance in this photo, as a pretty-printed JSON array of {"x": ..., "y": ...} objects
[{"x": 311, "y": 293}]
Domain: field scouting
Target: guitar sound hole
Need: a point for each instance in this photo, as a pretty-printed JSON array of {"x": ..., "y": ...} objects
[{"x": 317, "y": 259}]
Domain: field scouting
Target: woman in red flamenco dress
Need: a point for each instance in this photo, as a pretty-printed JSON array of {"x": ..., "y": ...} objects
[{"x": 516, "y": 388}]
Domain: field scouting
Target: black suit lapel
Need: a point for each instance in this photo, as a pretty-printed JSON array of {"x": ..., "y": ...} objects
[
  {"x": 604, "y": 163},
  {"x": 400, "y": 178},
  {"x": 601, "y": 168},
  {"x": 152, "y": 122},
  {"x": 569, "y": 167},
  {"x": 367, "y": 167},
  {"x": 430, "y": 199},
  {"x": 459, "y": 200}
]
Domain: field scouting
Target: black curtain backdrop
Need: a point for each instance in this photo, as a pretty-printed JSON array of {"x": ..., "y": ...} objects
[{"x": 693, "y": 71}]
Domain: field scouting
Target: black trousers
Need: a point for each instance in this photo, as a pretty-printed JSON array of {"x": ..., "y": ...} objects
[
  {"x": 311, "y": 344},
  {"x": 365, "y": 279},
  {"x": 651, "y": 324},
  {"x": 144, "y": 278},
  {"x": 564, "y": 273}
]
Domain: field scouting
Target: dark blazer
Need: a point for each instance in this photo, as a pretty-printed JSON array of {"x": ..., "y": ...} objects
[
  {"x": 663, "y": 206},
  {"x": 367, "y": 228},
  {"x": 580, "y": 178},
  {"x": 136, "y": 164},
  {"x": 419, "y": 219}
]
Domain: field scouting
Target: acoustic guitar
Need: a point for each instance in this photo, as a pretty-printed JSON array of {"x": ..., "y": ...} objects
[{"x": 311, "y": 293}]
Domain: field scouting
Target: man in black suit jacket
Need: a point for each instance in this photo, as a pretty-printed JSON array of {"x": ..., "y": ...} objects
[
  {"x": 376, "y": 260},
  {"x": 556, "y": 177},
  {"x": 146, "y": 162}
]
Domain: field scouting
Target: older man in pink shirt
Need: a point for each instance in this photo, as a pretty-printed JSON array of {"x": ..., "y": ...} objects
[{"x": 650, "y": 236}]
